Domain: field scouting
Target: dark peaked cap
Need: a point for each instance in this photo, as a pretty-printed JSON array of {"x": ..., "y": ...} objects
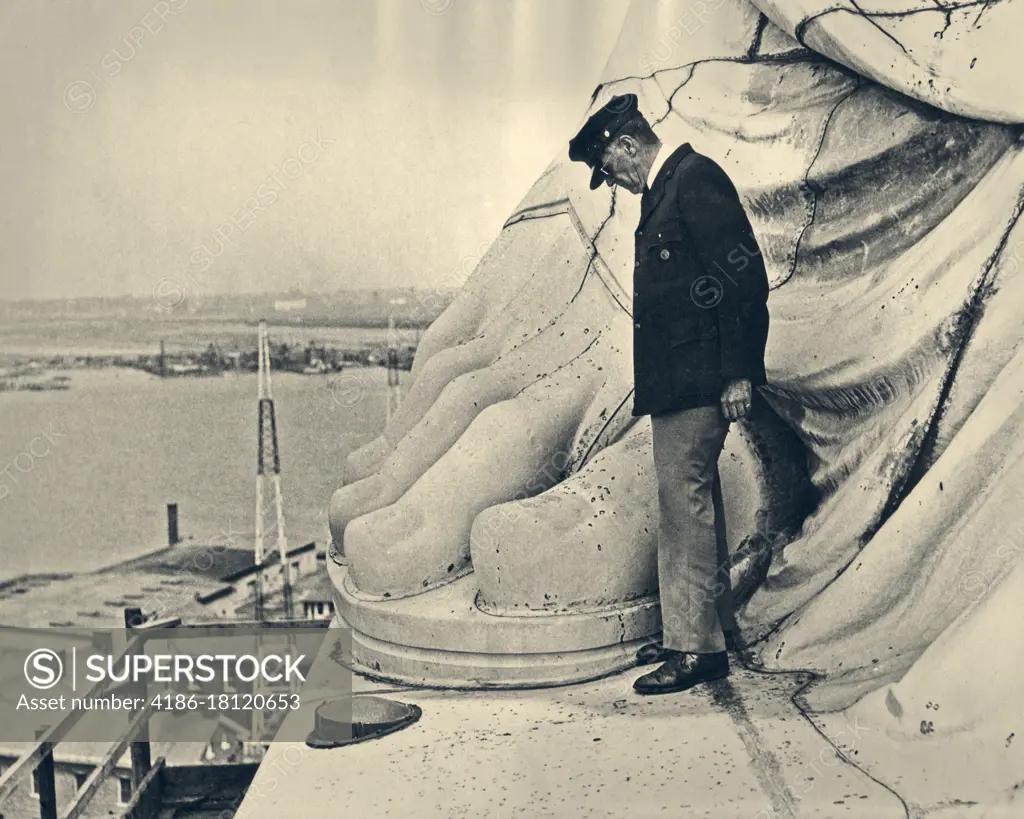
[{"x": 589, "y": 144}]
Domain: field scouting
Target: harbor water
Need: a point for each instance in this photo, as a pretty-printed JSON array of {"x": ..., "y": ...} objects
[{"x": 88, "y": 470}]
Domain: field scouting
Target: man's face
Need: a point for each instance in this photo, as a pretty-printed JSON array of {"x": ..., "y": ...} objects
[{"x": 621, "y": 165}]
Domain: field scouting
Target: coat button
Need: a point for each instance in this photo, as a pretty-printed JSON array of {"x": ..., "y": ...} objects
[
  {"x": 664, "y": 254},
  {"x": 636, "y": 265},
  {"x": 637, "y": 325}
]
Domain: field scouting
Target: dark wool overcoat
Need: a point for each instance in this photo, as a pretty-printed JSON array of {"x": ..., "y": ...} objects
[{"x": 700, "y": 290}]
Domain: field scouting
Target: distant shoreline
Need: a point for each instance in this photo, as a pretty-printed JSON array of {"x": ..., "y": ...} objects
[{"x": 205, "y": 345}]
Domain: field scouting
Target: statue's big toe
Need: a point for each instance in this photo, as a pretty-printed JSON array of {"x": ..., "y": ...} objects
[{"x": 384, "y": 549}]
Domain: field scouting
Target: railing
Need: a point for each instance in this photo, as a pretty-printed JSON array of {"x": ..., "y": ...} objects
[{"x": 155, "y": 785}]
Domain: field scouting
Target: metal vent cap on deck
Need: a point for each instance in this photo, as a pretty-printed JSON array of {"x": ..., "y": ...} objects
[{"x": 356, "y": 719}]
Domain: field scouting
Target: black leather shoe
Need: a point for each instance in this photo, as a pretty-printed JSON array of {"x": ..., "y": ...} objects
[
  {"x": 683, "y": 671},
  {"x": 657, "y": 653}
]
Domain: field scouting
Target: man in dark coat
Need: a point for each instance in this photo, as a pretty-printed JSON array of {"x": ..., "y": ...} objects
[{"x": 700, "y": 325}]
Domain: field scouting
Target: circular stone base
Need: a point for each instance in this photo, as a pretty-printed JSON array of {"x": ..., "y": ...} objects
[{"x": 441, "y": 639}]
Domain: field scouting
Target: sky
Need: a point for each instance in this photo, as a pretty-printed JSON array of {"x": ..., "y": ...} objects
[{"x": 265, "y": 145}]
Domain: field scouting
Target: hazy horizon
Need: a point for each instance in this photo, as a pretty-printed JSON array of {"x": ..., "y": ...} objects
[
  {"x": 256, "y": 147},
  {"x": 241, "y": 294}
]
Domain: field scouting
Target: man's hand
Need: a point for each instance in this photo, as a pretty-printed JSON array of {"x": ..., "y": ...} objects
[{"x": 736, "y": 399}]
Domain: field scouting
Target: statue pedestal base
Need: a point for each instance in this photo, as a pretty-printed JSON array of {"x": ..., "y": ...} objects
[{"x": 441, "y": 639}]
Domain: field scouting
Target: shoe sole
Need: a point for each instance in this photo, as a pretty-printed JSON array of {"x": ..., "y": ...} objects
[{"x": 675, "y": 689}]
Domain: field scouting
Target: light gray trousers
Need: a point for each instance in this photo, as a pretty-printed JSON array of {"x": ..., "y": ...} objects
[{"x": 693, "y": 556}]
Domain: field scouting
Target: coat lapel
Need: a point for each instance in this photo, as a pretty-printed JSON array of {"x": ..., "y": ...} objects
[{"x": 650, "y": 200}]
